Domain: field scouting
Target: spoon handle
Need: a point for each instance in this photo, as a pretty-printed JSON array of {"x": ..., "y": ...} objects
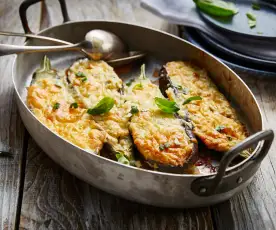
[
  {"x": 6, "y": 49},
  {"x": 58, "y": 41}
]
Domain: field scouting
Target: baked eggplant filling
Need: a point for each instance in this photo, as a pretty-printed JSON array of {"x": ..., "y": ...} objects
[
  {"x": 158, "y": 134},
  {"x": 215, "y": 122}
]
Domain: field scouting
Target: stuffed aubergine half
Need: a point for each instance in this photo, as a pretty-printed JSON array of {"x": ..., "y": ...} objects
[
  {"x": 98, "y": 88},
  {"x": 51, "y": 100},
  {"x": 214, "y": 121},
  {"x": 162, "y": 139}
]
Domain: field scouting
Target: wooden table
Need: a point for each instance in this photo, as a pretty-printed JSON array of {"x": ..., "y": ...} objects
[{"x": 35, "y": 193}]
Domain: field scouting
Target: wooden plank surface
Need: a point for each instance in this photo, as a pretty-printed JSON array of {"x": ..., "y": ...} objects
[
  {"x": 54, "y": 199},
  {"x": 12, "y": 131}
]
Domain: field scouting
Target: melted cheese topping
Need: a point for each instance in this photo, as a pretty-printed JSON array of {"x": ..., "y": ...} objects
[
  {"x": 91, "y": 82},
  {"x": 85, "y": 83},
  {"x": 159, "y": 137},
  {"x": 215, "y": 121},
  {"x": 72, "y": 124}
]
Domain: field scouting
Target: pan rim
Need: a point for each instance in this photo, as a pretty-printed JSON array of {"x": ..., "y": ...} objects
[{"x": 229, "y": 169}]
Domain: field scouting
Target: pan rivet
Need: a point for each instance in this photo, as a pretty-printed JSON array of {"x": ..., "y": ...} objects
[
  {"x": 239, "y": 180},
  {"x": 202, "y": 190}
]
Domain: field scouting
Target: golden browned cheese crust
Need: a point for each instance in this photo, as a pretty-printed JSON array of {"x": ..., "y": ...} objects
[
  {"x": 158, "y": 136},
  {"x": 85, "y": 83},
  {"x": 215, "y": 122},
  {"x": 101, "y": 81},
  {"x": 72, "y": 124}
]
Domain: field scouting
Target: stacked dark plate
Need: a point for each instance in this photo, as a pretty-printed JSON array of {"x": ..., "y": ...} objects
[{"x": 230, "y": 39}]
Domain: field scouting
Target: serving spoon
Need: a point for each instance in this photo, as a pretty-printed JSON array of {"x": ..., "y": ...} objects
[{"x": 98, "y": 45}]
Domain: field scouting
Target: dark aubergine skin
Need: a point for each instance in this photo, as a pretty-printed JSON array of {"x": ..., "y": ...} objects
[{"x": 164, "y": 84}]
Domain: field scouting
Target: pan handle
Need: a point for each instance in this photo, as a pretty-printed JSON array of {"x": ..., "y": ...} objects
[
  {"x": 207, "y": 186},
  {"x": 23, "y": 13}
]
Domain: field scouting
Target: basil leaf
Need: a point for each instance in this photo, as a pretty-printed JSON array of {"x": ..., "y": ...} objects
[
  {"x": 130, "y": 82},
  {"x": 220, "y": 128},
  {"x": 103, "y": 106},
  {"x": 134, "y": 109},
  {"x": 195, "y": 98},
  {"x": 56, "y": 106},
  {"x": 74, "y": 105},
  {"x": 251, "y": 16},
  {"x": 138, "y": 86},
  {"x": 217, "y": 7},
  {"x": 80, "y": 74},
  {"x": 166, "y": 105},
  {"x": 255, "y": 6},
  {"x": 84, "y": 79},
  {"x": 122, "y": 159},
  {"x": 251, "y": 20},
  {"x": 161, "y": 147},
  {"x": 179, "y": 87}
]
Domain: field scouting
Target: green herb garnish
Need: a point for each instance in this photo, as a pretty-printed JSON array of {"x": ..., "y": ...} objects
[
  {"x": 220, "y": 128},
  {"x": 251, "y": 16},
  {"x": 74, "y": 105},
  {"x": 56, "y": 106},
  {"x": 195, "y": 98},
  {"x": 122, "y": 159},
  {"x": 166, "y": 105},
  {"x": 103, "y": 106},
  {"x": 252, "y": 20},
  {"x": 229, "y": 138},
  {"x": 179, "y": 87},
  {"x": 129, "y": 82},
  {"x": 164, "y": 146},
  {"x": 161, "y": 147},
  {"x": 80, "y": 74},
  {"x": 134, "y": 109},
  {"x": 217, "y": 7},
  {"x": 138, "y": 86},
  {"x": 84, "y": 79},
  {"x": 255, "y": 6}
]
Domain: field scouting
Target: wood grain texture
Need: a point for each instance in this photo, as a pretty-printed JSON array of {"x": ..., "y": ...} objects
[
  {"x": 254, "y": 208},
  {"x": 11, "y": 128},
  {"x": 54, "y": 199}
]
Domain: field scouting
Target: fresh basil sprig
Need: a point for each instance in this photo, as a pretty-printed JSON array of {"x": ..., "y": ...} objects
[
  {"x": 252, "y": 20},
  {"x": 134, "y": 109},
  {"x": 194, "y": 98},
  {"x": 166, "y": 105},
  {"x": 217, "y": 7},
  {"x": 122, "y": 159},
  {"x": 103, "y": 106},
  {"x": 56, "y": 106},
  {"x": 138, "y": 86},
  {"x": 220, "y": 128}
]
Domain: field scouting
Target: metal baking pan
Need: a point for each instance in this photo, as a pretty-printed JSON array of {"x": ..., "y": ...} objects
[{"x": 145, "y": 186}]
